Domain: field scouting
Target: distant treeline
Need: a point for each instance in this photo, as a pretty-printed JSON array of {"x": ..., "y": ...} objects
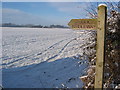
[{"x": 32, "y": 26}]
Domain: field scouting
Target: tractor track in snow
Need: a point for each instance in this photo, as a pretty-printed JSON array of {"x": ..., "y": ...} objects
[
  {"x": 53, "y": 57},
  {"x": 18, "y": 58},
  {"x": 33, "y": 56},
  {"x": 39, "y": 54}
]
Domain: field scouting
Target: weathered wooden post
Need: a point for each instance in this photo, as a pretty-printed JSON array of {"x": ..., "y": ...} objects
[
  {"x": 102, "y": 16},
  {"x": 98, "y": 24}
]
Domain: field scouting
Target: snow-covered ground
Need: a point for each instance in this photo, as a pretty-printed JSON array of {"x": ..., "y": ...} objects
[{"x": 43, "y": 58}]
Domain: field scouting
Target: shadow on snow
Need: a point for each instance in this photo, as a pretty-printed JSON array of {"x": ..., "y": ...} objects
[{"x": 61, "y": 73}]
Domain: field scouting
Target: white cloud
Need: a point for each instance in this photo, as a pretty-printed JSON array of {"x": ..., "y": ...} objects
[
  {"x": 74, "y": 9},
  {"x": 20, "y": 17},
  {"x": 71, "y": 10}
]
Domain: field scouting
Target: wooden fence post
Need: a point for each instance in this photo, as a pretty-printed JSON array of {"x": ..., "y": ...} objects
[{"x": 102, "y": 16}]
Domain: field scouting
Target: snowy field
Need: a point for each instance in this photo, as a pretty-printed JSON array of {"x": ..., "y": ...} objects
[{"x": 43, "y": 58}]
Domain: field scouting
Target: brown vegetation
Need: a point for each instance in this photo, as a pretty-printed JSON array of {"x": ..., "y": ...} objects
[{"x": 112, "y": 53}]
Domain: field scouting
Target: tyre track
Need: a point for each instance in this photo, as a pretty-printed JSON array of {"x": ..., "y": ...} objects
[
  {"x": 61, "y": 50},
  {"x": 40, "y": 53},
  {"x": 19, "y": 58},
  {"x": 33, "y": 55},
  {"x": 24, "y": 69}
]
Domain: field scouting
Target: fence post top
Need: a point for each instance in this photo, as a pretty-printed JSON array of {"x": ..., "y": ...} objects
[{"x": 102, "y": 5}]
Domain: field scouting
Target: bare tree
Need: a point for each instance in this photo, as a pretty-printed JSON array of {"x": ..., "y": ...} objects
[{"x": 112, "y": 50}]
